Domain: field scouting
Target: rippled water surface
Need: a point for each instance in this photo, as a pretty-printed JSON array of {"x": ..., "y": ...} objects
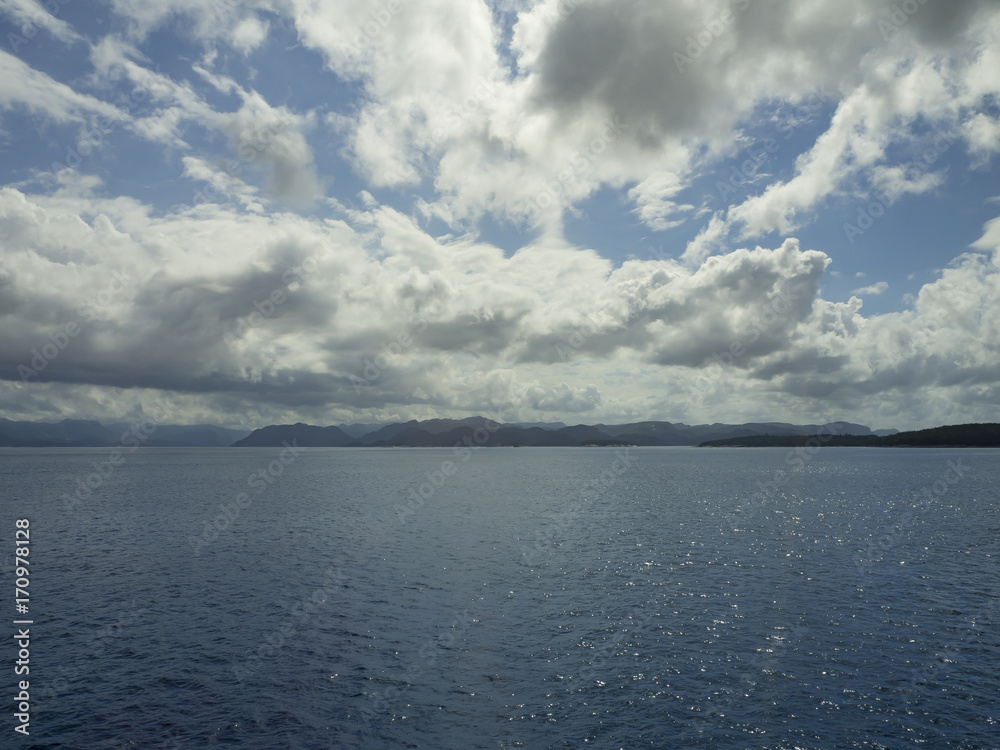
[{"x": 536, "y": 598}]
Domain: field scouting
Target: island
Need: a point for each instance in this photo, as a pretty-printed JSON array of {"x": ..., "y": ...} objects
[{"x": 979, "y": 435}]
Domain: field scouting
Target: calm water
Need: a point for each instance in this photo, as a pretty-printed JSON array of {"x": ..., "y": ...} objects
[{"x": 538, "y": 598}]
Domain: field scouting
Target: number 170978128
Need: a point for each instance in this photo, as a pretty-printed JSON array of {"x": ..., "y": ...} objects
[{"x": 21, "y": 549}]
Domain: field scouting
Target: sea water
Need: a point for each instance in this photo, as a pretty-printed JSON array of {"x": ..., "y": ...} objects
[{"x": 505, "y": 598}]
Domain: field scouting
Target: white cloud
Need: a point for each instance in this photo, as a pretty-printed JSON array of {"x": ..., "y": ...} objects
[
  {"x": 259, "y": 134},
  {"x": 32, "y": 15},
  {"x": 23, "y": 87},
  {"x": 983, "y": 134},
  {"x": 589, "y": 96},
  {"x": 878, "y": 287},
  {"x": 547, "y": 332},
  {"x": 654, "y": 205},
  {"x": 249, "y": 34},
  {"x": 223, "y": 182},
  {"x": 424, "y": 68},
  {"x": 205, "y": 21}
]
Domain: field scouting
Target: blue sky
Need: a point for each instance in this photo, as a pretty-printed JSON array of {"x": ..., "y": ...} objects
[{"x": 569, "y": 210}]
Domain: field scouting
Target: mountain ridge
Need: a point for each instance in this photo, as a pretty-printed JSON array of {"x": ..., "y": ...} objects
[
  {"x": 443, "y": 433},
  {"x": 971, "y": 435},
  {"x": 84, "y": 433},
  {"x": 425, "y": 433}
]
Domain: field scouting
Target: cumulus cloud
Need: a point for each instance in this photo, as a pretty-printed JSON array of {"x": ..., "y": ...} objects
[
  {"x": 444, "y": 107},
  {"x": 229, "y": 311},
  {"x": 249, "y": 33},
  {"x": 257, "y": 300},
  {"x": 877, "y": 288}
]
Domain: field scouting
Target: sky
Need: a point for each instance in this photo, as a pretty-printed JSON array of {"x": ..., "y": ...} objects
[{"x": 271, "y": 211}]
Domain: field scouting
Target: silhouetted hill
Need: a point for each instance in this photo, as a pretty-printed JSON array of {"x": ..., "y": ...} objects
[
  {"x": 543, "y": 425},
  {"x": 81, "y": 433},
  {"x": 792, "y": 441},
  {"x": 667, "y": 433},
  {"x": 303, "y": 435},
  {"x": 192, "y": 436},
  {"x": 68, "y": 433},
  {"x": 986, "y": 435},
  {"x": 482, "y": 431},
  {"x": 445, "y": 433},
  {"x": 383, "y": 435},
  {"x": 357, "y": 430},
  {"x": 980, "y": 435}
]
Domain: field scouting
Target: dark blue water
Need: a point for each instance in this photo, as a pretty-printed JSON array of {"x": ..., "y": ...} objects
[{"x": 537, "y": 598}]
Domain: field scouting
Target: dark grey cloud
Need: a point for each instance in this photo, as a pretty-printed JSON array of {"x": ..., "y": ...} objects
[{"x": 672, "y": 69}]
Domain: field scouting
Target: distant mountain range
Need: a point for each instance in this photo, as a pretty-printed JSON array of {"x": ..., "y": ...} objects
[
  {"x": 444, "y": 433},
  {"x": 81, "y": 433},
  {"x": 985, "y": 435}
]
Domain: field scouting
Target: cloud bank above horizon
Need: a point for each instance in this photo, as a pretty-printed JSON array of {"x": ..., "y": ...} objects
[{"x": 584, "y": 211}]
